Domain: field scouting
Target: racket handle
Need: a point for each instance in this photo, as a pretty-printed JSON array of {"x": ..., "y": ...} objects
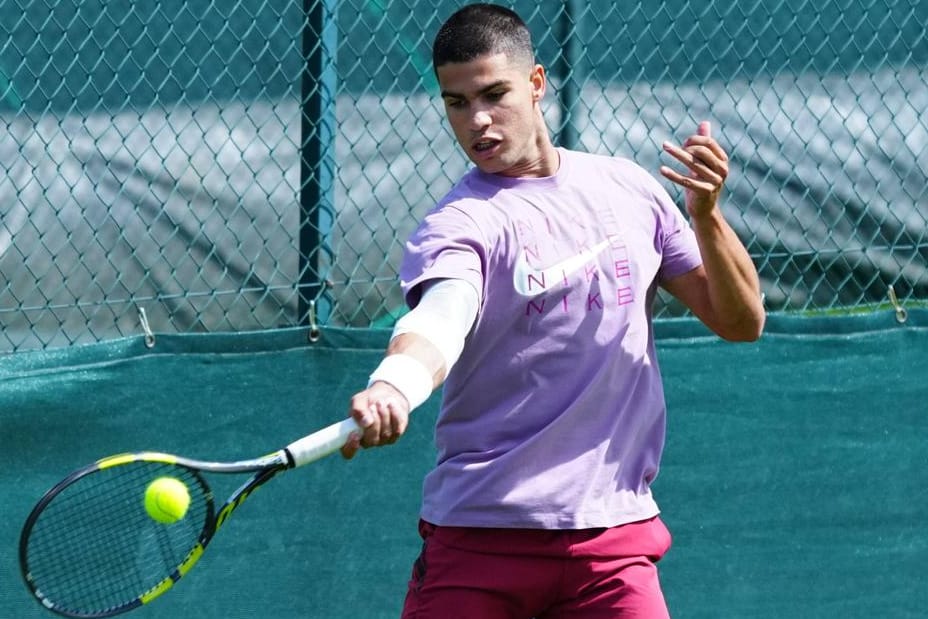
[{"x": 321, "y": 443}]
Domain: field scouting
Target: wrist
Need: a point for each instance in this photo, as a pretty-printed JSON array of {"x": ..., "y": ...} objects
[
  {"x": 707, "y": 219},
  {"x": 407, "y": 375}
]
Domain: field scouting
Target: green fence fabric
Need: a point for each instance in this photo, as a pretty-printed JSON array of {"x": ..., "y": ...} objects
[{"x": 793, "y": 479}]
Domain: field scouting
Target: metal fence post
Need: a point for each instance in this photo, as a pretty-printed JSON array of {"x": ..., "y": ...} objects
[{"x": 317, "y": 152}]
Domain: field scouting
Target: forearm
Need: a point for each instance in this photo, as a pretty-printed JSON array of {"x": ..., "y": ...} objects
[
  {"x": 422, "y": 350},
  {"x": 733, "y": 285},
  {"x": 428, "y": 340}
]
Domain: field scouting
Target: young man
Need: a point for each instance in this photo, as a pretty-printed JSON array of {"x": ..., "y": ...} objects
[{"x": 531, "y": 285}]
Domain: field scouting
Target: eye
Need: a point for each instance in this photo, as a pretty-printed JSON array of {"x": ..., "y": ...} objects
[
  {"x": 495, "y": 95},
  {"x": 455, "y": 104}
]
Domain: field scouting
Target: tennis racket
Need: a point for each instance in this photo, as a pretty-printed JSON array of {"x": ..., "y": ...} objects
[{"x": 90, "y": 549}]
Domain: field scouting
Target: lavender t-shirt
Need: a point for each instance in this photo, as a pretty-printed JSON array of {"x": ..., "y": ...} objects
[{"x": 554, "y": 415}]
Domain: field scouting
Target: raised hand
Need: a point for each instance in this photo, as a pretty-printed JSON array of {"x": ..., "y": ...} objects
[{"x": 707, "y": 163}]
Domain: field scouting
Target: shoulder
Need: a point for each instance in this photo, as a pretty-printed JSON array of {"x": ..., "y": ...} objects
[
  {"x": 619, "y": 174},
  {"x": 472, "y": 204},
  {"x": 600, "y": 159},
  {"x": 455, "y": 218},
  {"x": 613, "y": 165},
  {"x": 455, "y": 209},
  {"x": 465, "y": 194}
]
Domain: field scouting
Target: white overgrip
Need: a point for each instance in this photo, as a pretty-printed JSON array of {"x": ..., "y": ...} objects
[{"x": 321, "y": 443}]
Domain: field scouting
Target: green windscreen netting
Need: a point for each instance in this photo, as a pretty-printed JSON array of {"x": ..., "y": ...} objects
[{"x": 794, "y": 478}]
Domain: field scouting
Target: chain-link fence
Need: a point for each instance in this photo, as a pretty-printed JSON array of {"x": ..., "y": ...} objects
[{"x": 238, "y": 166}]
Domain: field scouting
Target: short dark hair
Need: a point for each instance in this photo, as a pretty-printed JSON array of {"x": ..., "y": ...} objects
[{"x": 479, "y": 30}]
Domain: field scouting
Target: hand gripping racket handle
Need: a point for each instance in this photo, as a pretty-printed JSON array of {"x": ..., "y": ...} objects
[{"x": 321, "y": 443}]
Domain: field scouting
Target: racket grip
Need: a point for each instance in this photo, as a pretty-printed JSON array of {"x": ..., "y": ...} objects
[{"x": 321, "y": 443}]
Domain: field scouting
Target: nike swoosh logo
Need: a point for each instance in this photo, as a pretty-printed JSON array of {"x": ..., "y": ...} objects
[{"x": 529, "y": 282}]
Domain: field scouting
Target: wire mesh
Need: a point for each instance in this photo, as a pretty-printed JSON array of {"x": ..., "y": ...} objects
[{"x": 225, "y": 166}]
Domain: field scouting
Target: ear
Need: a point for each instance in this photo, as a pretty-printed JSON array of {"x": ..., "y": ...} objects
[{"x": 539, "y": 82}]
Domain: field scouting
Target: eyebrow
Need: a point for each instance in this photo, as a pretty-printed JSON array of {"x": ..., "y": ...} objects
[{"x": 454, "y": 95}]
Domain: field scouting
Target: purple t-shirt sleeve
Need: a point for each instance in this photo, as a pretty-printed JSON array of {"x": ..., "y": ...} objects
[
  {"x": 446, "y": 245},
  {"x": 679, "y": 249}
]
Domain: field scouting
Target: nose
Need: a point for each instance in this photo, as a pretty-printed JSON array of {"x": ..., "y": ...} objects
[{"x": 480, "y": 120}]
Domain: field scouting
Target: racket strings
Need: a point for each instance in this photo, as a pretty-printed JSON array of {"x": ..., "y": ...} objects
[{"x": 94, "y": 547}]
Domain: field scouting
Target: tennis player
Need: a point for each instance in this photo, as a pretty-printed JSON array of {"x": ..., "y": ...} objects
[{"x": 531, "y": 287}]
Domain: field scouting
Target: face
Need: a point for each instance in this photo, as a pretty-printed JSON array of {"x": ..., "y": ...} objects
[{"x": 493, "y": 107}]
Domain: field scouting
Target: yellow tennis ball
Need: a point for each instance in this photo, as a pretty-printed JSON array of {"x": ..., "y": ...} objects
[{"x": 167, "y": 499}]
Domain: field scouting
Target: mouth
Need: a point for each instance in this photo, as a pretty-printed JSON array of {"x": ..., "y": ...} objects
[{"x": 484, "y": 146}]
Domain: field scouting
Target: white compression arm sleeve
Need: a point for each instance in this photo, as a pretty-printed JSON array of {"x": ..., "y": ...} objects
[{"x": 444, "y": 316}]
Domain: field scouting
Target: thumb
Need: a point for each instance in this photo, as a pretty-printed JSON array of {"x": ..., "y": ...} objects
[
  {"x": 351, "y": 446},
  {"x": 705, "y": 128}
]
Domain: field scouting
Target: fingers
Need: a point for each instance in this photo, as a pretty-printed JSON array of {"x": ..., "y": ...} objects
[
  {"x": 699, "y": 151},
  {"x": 383, "y": 415},
  {"x": 386, "y": 422},
  {"x": 703, "y": 162},
  {"x": 705, "y": 159},
  {"x": 687, "y": 182}
]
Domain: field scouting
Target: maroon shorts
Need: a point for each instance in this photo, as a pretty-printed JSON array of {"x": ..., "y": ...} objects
[{"x": 478, "y": 573}]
